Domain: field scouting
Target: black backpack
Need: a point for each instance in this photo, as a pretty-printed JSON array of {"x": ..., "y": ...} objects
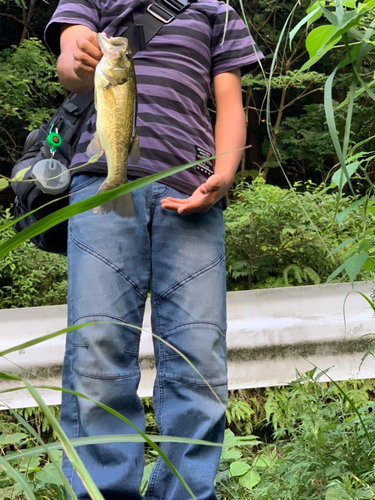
[{"x": 69, "y": 121}]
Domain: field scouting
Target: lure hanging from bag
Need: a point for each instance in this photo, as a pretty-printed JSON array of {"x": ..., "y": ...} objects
[{"x": 49, "y": 151}]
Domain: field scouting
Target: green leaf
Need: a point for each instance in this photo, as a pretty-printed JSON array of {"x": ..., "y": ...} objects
[
  {"x": 239, "y": 468},
  {"x": 29, "y": 464},
  {"x": 20, "y": 175},
  {"x": 354, "y": 264},
  {"x": 49, "y": 474},
  {"x": 312, "y": 16},
  {"x": 339, "y": 177},
  {"x": 353, "y": 206},
  {"x": 12, "y": 438},
  {"x": 343, "y": 244},
  {"x": 250, "y": 479},
  {"x": 3, "y": 184},
  {"x": 334, "y": 493},
  {"x": 319, "y": 37},
  {"x": 317, "y": 13},
  {"x": 261, "y": 461},
  {"x": 231, "y": 454}
]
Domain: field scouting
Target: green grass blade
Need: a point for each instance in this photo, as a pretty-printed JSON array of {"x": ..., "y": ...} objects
[
  {"x": 43, "y": 448},
  {"x": 92, "y": 202},
  {"x": 43, "y": 338},
  {"x": 105, "y": 439},
  {"x": 49, "y": 336},
  {"x": 14, "y": 221},
  {"x": 124, "y": 419},
  {"x": 303, "y": 21},
  {"x": 330, "y": 117},
  {"x": 351, "y": 403},
  {"x": 70, "y": 451},
  {"x": 17, "y": 476},
  {"x": 339, "y": 11}
]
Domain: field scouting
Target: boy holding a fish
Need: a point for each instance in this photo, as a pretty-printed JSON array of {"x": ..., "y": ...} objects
[{"x": 173, "y": 246}]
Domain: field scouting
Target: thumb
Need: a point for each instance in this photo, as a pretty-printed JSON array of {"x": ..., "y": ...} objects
[{"x": 212, "y": 184}]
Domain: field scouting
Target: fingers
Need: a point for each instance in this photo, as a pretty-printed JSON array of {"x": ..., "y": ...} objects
[
  {"x": 86, "y": 56},
  {"x": 188, "y": 205}
]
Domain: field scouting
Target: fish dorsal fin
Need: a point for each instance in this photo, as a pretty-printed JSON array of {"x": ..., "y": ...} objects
[
  {"x": 134, "y": 151},
  {"x": 94, "y": 150},
  {"x": 109, "y": 97}
]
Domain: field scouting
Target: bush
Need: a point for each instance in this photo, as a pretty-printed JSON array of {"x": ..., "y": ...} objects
[
  {"x": 30, "y": 277},
  {"x": 278, "y": 237},
  {"x": 320, "y": 448}
]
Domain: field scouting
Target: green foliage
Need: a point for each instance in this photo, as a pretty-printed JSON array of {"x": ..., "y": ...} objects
[
  {"x": 28, "y": 276},
  {"x": 238, "y": 465},
  {"x": 321, "y": 445},
  {"x": 36, "y": 471},
  {"x": 319, "y": 449},
  {"x": 305, "y": 146},
  {"x": 28, "y": 92},
  {"x": 275, "y": 235}
]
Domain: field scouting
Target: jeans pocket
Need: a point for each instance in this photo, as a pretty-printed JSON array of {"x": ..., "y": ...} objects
[{"x": 81, "y": 181}]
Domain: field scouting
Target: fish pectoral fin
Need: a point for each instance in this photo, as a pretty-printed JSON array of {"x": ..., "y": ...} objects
[
  {"x": 135, "y": 152},
  {"x": 94, "y": 150},
  {"x": 109, "y": 97}
]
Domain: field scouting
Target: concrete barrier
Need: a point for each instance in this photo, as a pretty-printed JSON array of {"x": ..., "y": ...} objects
[{"x": 271, "y": 334}]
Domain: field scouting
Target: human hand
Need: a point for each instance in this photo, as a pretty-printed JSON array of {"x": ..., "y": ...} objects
[
  {"x": 86, "y": 57},
  {"x": 203, "y": 197}
]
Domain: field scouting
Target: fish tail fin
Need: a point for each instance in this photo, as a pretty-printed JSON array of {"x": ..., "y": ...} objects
[{"x": 122, "y": 206}]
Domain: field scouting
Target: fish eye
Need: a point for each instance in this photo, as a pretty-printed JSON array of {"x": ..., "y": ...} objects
[{"x": 128, "y": 54}]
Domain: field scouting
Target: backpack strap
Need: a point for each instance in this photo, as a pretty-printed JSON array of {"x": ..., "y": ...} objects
[{"x": 156, "y": 16}]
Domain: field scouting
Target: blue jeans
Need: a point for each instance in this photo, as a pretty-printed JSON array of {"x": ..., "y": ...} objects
[{"x": 113, "y": 263}]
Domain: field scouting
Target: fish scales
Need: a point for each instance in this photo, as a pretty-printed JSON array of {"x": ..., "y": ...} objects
[{"x": 115, "y": 101}]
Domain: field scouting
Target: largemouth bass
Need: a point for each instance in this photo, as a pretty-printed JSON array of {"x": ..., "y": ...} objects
[{"x": 116, "y": 106}]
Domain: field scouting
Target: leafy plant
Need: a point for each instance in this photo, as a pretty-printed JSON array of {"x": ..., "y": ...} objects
[
  {"x": 36, "y": 471},
  {"x": 274, "y": 233},
  {"x": 28, "y": 90},
  {"x": 28, "y": 276},
  {"x": 237, "y": 467}
]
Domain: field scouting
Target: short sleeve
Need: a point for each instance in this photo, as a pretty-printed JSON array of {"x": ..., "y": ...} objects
[
  {"x": 83, "y": 12},
  {"x": 232, "y": 45}
]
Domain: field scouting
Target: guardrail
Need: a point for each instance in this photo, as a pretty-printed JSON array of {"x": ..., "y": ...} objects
[{"x": 271, "y": 334}]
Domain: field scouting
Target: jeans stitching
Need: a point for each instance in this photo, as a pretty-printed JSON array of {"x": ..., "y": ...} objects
[
  {"x": 203, "y": 385},
  {"x": 90, "y": 181},
  {"x": 113, "y": 377},
  {"x": 193, "y": 323},
  {"x": 191, "y": 276},
  {"x": 117, "y": 320},
  {"x": 109, "y": 263},
  {"x": 131, "y": 353}
]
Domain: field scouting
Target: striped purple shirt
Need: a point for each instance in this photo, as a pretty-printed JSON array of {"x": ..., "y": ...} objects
[{"x": 174, "y": 75}]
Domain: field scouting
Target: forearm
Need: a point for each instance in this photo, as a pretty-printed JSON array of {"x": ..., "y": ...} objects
[
  {"x": 229, "y": 140},
  {"x": 79, "y": 57}
]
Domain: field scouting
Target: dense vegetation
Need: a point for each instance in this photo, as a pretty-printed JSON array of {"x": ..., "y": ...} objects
[
  {"x": 310, "y": 126},
  {"x": 300, "y": 442}
]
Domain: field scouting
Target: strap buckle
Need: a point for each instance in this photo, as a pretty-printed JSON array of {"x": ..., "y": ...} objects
[
  {"x": 160, "y": 13},
  {"x": 177, "y": 5}
]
